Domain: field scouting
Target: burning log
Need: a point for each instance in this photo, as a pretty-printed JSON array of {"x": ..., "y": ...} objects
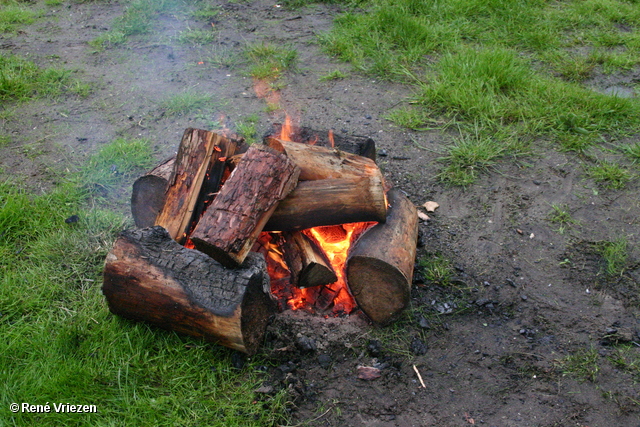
[
  {"x": 322, "y": 162},
  {"x": 360, "y": 145},
  {"x": 198, "y": 154},
  {"x": 308, "y": 264},
  {"x": 150, "y": 277},
  {"x": 147, "y": 197},
  {"x": 380, "y": 264},
  {"x": 331, "y": 202},
  {"x": 234, "y": 220}
]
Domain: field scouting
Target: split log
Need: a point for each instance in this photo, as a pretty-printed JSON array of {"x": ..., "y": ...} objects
[
  {"x": 331, "y": 202},
  {"x": 308, "y": 264},
  {"x": 147, "y": 197},
  {"x": 150, "y": 277},
  {"x": 380, "y": 264},
  {"x": 235, "y": 219},
  {"x": 199, "y": 150},
  {"x": 360, "y": 145},
  {"x": 317, "y": 162}
]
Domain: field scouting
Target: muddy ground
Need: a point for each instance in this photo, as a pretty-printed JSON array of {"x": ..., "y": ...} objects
[{"x": 488, "y": 346}]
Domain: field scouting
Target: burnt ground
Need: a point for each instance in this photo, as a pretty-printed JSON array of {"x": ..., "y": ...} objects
[{"x": 489, "y": 345}]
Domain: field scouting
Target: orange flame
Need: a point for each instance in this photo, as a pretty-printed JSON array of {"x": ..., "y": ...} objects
[
  {"x": 333, "y": 144},
  {"x": 287, "y": 129}
]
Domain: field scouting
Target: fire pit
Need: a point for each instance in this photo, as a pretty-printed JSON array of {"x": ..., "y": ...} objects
[{"x": 229, "y": 234}]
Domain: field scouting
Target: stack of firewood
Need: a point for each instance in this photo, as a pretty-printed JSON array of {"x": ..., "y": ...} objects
[{"x": 191, "y": 264}]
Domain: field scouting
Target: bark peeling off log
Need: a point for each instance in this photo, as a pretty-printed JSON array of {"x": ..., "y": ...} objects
[{"x": 150, "y": 277}]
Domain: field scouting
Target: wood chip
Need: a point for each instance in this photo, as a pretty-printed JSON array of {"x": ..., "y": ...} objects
[
  {"x": 431, "y": 206},
  {"x": 423, "y": 216},
  {"x": 368, "y": 373}
]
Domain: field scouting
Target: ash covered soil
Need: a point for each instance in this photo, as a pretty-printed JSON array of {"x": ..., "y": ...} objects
[{"x": 492, "y": 345}]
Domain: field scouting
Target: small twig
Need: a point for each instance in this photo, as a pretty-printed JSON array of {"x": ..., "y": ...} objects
[{"x": 419, "y": 376}]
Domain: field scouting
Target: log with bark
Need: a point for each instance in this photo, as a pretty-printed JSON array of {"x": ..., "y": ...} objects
[
  {"x": 199, "y": 153},
  {"x": 150, "y": 277},
  {"x": 380, "y": 264},
  {"x": 330, "y": 202},
  {"x": 308, "y": 264},
  {"x": 150, "y": 190},
  {"x": 233, "y": 222}
]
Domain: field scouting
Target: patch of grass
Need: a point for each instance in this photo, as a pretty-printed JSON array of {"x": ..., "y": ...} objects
[
  {"x": 333, "y": 75},
  {"x": 627, "y": 359},
  {"x": 197, "y": 37},
  {"x": 4, "y": 140},
  {"x": 411, "y": 118},
  {"x": 632, "y": 151},
  {"x": 561, "y": 216},
  {"x": 21, "y": 79},
  {"x": 610, "y": 175},
  {"x": 205, "y": 11},
  {"x": 269, "y": 61},
  {"x": 615, "y": 255},
  {"x": 187, "y": 102},
  {"x": 13, "y": 14},
  {"x": 436, "y": 269},
  {"x": 61, "y": 344},
  {"x": 583, "y": 364},
  {"x": 484, "y": 63},
  {"x": 247, "y": 128},
  {"x": 470, "y": 155},
  {"x": 122, "y": 159}
]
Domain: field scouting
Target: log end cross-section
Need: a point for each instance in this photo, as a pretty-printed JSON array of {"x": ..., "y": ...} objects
[{"x": 150, "y": 277}]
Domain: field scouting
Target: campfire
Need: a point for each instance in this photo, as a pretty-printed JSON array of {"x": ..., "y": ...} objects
[{"x": 229, "y": 234}]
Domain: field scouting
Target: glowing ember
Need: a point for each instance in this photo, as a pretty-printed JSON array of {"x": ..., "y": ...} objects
[{"x": 333, "y": 143}]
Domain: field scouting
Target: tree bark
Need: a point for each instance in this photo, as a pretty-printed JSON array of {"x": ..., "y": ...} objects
[
  {"x": 308, "y": 264},
  {"x": 380, "y": 264},
  {"x": 150, "y": 277},
  {"x": 317, "y": 162},
  {"x": 330, "y": 202},
  {"x": 234, "y": 220}
]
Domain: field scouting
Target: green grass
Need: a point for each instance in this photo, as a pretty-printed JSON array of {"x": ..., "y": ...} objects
[
  {"x": 510, "y": 68},
  {"x": 615, "y": 255},
  {"x": 561, "y": 216},
  {"x": 197, "y": 37},
  {"x": 21, "y": 79},
  {"x": 436, "y": 269},
  {"x": 610, "y": 175},
  {"x": 269, "y": 61},
  {"x": 247, "y": 127},
  {"x": 582, "y": 364},
  {"x": 334, "y": 75},
  {"x": 60, "y": 343},
  {"x": 14, "y": 14},
  {"x": 187, "y": 102},
  {"x": 118, "y": 161}
]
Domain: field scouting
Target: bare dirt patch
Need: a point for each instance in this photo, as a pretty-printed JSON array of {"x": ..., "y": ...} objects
[{"x": 524, "y": 294}]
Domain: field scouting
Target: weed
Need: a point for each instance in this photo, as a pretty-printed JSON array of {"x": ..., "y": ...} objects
[
  {"x": 615, "y": 255},
  {"x": 611, "y": 175},
  {"x": 582, "y": 364},
  {"x": 436, "y": 269},
  {"x": 186, "y": 102},
  {"x": 561, "y": 216},
  {"x": 334, "y": 75}
]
